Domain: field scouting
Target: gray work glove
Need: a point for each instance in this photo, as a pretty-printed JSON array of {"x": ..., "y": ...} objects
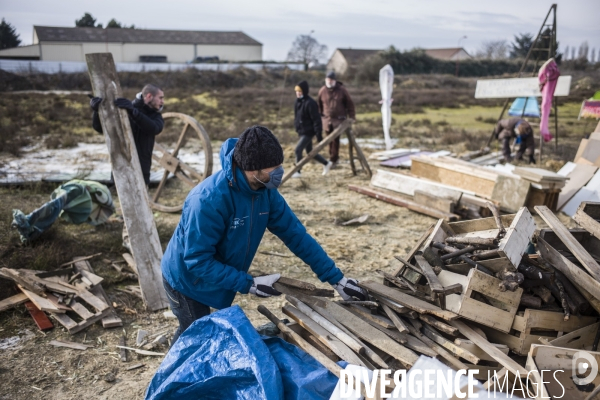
[
  {"x": 263, "y": 285},
  {"x": 348, "y": 289},
  {"x": 95, "y": 103}
]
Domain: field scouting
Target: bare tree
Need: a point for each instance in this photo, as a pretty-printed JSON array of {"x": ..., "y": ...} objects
[
  {"x": 306, "y": 49},
  {"x": 583, "y": 50},
  {"x": 493, "y": 50},
  {"x": 566, "y": 57},
  {"x": 593, "y": 56}
]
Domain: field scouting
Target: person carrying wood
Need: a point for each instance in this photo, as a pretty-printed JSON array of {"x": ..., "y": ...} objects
[
  {"x": 335, "y": 105},
  {"x": 222, "y": 223},
  {"x": 516, "y": 128},
  {"x": 308, "y": 124},
  {"x": 145, "y": 119}
]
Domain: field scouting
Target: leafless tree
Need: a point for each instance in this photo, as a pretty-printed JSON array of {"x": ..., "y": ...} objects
[
  {"x": 583, "y": 50},
  {"x": 493, "y": 50},
  {"x": 566, "y": 56},
  {"x": 593, "y": 56},
  {"x": 306, "y": 49}
]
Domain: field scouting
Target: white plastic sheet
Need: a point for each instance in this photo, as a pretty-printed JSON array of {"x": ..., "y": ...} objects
[{"x": 386, "y": 83}]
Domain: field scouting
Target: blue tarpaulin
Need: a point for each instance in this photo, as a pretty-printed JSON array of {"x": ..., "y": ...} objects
[
  {"x": 221, "y": 356},
  {"x": 532, "y": 109}
]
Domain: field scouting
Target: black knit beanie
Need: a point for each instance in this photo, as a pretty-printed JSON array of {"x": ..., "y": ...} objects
[{"x": 256, "y": 149}]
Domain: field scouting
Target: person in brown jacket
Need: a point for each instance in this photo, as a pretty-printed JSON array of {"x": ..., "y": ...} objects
[
  {"x": 335, "y": 105},
  {"x": 508, "y": 129}
]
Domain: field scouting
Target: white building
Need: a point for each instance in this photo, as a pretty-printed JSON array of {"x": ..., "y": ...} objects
[{"x": 136, "y": 45}]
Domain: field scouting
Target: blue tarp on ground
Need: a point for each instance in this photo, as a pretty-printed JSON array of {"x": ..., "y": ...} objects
[{"x": 221, "y": 356}]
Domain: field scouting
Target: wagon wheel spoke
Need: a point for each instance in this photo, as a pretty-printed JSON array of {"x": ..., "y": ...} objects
[
  {"x": 160, "y": 186},
  {"x": 180, "y": 140},
  {"x": 175, "y": 166}
]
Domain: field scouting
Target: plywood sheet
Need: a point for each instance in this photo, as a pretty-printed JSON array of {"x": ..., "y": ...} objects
[{"x": 579, "y": 176}]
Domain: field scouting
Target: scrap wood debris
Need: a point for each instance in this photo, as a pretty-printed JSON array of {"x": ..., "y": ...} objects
[
  {"x": 72, "y": 295},
  {"x": 471, "y": 293}
]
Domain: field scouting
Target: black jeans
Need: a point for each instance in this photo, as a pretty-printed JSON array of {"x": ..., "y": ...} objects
[
  {"x": 185, "y": 309},
  {"x": 305, "y": 142}
]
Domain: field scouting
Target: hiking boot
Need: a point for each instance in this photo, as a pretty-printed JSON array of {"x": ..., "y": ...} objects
[{"x": 327, "y": 167}]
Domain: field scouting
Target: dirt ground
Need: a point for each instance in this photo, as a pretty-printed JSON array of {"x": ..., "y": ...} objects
[
  {"x": 32, "y": 369},
  {"x": 37, "y": 370}
]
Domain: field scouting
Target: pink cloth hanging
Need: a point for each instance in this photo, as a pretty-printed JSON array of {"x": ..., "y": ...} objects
[{"x": 548, "y": 77}]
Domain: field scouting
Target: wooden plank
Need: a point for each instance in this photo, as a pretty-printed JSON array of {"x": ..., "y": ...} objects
[
  {"x": 401, "y": 326},
  {"x": 54, "y": 300},
  {"x": 328, "y": 139},
  {"x": 587, "y": 217},
  {"x": 431, "y": 277},
  {"x": 456, "y": 363},
  {"x": 489, "y": 348},
  {"x": 65, "y": 321},
  {"x": 480, "y": 182},
  {"x": 567, "y": 238},
  {"x": 368, "y": 333},
  {"x": 588, "y": 287},
  {"x": 40, "y": 302},
  {"x": 40, "y": 319},
  {"x": 447, "y": 329},
  {"x": 411, "y": 205},
  {"x": 92, "y": 278},
  {"x": 408, "y": 185},
  {"x": 133, "y": 196},
  {"x": 439, "y": 203},
  {"x": 112, "y": 320},
  {"x": 365, "y": 313},
  {"x": 538, "y": 174},
  {"x": 13, "y": 301},
  {"x": 552, "y": 321},
  {"x": 476, "y": 350},
  {"x": 23, "y": 280},
  {"x": 130, "y": 262},
  {"x": 88, "y": 322},
  {"x": 339, "y": 348},
  {"x": 517, "y": 237},
  {"x": 92, "y": 300},
  {"x": 511, "y": 193},
  {"x": 292, "y": 291},
  {"x": 81, "y": 310},
  {"x": 406, "y": 300},
  {"x": 448, "y": 345},
  {"x": 69, "y": 345},
  {"x": 578, "y": 178}
]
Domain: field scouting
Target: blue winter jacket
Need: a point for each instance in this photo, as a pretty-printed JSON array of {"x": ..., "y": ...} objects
[{"x": 222, "y": 224}]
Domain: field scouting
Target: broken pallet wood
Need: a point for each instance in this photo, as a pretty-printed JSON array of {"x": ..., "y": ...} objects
[
  {"x": 13, "y": 301},
  {"x": 406, "y": 300}
]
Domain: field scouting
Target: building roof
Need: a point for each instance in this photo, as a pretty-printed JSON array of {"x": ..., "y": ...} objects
[
  {"x": 354, "y": 55},
  {"x": 126, "y": 35},
  {"x": 444, "y": 54}
]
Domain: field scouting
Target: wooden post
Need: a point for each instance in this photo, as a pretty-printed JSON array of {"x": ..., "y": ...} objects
[{"x": 143, "y": 236}]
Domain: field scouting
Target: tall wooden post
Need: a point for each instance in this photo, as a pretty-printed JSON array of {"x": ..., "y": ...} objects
[{"x": 143, "y": 236}]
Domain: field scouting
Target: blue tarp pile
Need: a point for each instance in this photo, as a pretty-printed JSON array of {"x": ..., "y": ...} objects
[{"x": 221, "y": 356}]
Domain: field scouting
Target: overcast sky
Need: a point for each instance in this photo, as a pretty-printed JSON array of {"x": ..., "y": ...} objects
[{"x": 336, "y": 23}]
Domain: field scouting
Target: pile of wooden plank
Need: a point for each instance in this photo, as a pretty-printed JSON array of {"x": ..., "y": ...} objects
[
  {"x": 450, "y": 188},
  {"x": 72, "y": 295},
  {"x": 474, "y": 294}
]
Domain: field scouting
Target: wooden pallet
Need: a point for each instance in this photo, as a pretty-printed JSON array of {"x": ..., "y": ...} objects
[
  {"x": 99, "y": 307},
  {"x": 587, "y": 216},
  {"x": 533, "y": 324},
  {"x": 500, "y": 314}
]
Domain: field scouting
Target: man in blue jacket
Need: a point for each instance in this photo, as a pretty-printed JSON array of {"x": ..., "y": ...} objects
[{"x": 223, "y": 221}]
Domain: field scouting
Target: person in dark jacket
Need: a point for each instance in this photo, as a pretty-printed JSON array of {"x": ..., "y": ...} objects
[
  {"x": 145, "y": 119},
  {"x": 516, "y": 128},
  {"x": 307, "y": 122},
  {"x": 335, "y": 105},
  {"x": 223, "y": 221}
]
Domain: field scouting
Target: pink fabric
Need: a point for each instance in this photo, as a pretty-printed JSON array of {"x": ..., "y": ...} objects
[{"x": 548, "y": 77}]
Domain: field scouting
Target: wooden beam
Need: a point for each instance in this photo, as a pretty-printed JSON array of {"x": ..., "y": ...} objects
[
  {"x": 569, "y": 241},
  {"x": 406, "y": 300},
  {"x": 398, "y": 201},
  {"x": 39, "y": 317},
  {"x": 13, "y": 301},
  {"x": 133, "y": 196},
  {"x": 330, "y": 138},
  {"x": 489, "y": 348}
]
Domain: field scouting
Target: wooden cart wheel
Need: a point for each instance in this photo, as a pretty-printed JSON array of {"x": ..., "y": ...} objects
[{"x": 172, "y": 165}]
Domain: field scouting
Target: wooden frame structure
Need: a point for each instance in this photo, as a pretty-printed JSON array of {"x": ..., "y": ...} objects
[{"x": 345, "y": 126}]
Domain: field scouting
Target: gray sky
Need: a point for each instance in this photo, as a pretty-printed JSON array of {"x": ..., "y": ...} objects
[{"x": 336, "y": 23}]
